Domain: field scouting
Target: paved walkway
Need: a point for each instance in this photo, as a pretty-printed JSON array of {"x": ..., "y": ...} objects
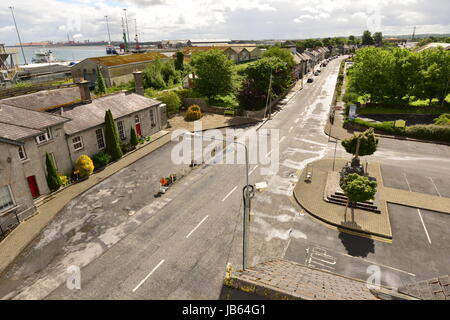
[
  {"x": 311, "y": 197},
  {"x": 209, "y": 121},
  {"x": 25, "y": 232}
]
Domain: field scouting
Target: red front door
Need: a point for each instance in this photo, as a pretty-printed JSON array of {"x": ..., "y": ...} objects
[
  {"x": 33, "y": 187},
  {"x": 138, "y": 129}
]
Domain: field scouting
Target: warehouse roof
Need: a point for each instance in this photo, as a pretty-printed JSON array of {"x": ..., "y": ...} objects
[{"x": 117, "y": 60}]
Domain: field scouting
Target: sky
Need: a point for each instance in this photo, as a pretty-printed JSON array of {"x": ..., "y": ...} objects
[{"x": 43, "y": 20}]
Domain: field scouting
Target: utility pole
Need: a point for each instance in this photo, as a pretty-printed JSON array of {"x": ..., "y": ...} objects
[
  {"x": 124, "y": 37},
  {"x": 268, "y": 95},
  {"x": 126, "y": 24},
  {"x": 18, "y": 35},
  {"x": 107, "y": 27}
]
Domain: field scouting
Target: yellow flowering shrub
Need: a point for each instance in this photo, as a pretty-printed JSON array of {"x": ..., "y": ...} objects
[{"x": 84, "y": 165}]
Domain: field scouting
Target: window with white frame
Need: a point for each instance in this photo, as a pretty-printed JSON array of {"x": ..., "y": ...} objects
[
  {"x": 6, "y": 199},
  {"x": 121, "y": 129},
  {"x": 152, "y": 117},
  {"x": 77, "y": 143},
  {"x": 44, "y": 137},
  {"x": 100, "y": 138},
  {"x": 22, "y": 153},
  {"x": 137, "y": 119}
]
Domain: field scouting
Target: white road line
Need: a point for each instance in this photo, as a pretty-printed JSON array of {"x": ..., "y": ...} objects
[
  {"x": 269, "y": 153},
  {"x": 197, "y": 226},
  {"x": 143, "y": 280},
  {"x": 297, "y": 120},
  {"x": 229, "y": 194},
  {"x": 381, "y": 265},
  {"x": 409, "y": 187},
  {"x": 435, "y": 187},
  {"x": 425, "y": 228},
  {"x": 282, "y": 138},
  {"x": 251, "y": 171},
  {"x": 290, "y": 129}
]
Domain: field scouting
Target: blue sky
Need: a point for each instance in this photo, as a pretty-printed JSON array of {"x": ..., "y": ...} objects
[{"x": 235, "y": 19}]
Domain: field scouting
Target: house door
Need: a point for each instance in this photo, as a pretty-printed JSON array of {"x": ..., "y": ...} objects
[
  {"x": 33, "y": 186},
  {"x": 137, "y": 122}
]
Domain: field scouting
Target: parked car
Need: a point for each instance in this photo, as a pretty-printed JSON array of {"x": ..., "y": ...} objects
[
  {"x": 310, "y": 79},
  {"x": 319, "y": 70},
  {"x": 316, "y": 73}
]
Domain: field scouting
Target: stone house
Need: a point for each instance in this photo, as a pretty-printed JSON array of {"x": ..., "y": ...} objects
[{"x": 116, "y": 69}]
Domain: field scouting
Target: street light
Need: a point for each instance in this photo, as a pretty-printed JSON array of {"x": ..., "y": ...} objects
[{"x": 248, "y": 194}]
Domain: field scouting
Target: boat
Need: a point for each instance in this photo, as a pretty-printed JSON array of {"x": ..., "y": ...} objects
[
  {"x": 110, "y": 49},
  {"x": 44, "y": 56}
]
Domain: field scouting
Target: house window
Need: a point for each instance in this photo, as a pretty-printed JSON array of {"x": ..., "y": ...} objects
[
  {"x": 77, "y": 143},
  {"x": 121, "y": 129},
  {"x": 46, "y": 136},
  {"x": 22, "y": 153},
  {"x": 136, "y": 119},
  {"x": 6, "y": 199},
  {"x": 100, "y": 138},
  {"x": 152, "y": 117}
]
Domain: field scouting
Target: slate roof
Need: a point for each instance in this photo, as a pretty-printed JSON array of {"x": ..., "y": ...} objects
[
  {"x": 432, "y": 289},
  {"x": 85, "y": 116},
  {"x": 127, "y": 58},
  {"x": 19, "y": 123},
  {"x": 283, "y": 279},
  {"x": 45, "y": 99}
]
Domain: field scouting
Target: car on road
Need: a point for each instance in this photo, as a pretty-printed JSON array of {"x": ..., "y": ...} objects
[
  {"x": 310, "y": 79},
  {"x": 316, "y": 73}
]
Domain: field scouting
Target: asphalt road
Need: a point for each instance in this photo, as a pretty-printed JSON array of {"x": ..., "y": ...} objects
[{"x": 130, "y": 245}]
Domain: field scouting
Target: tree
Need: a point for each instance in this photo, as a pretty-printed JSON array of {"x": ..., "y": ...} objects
[
  {"x": 172, "y": 101},
  {"x": 283, "y": 54},
  {"x": 378, "y": 38},
  {"x": 367, "y": 145},
  {"x": 84, "y": 165},
  {"x": 169, "y": 73},
  {"x": 214, "y": 71},
  {"x": 351, "y": 39},
  {"x": 367, "y": 38},
  {"x": 111, "y": 138},
  {"x": 101, "y": 88},
  {"x": 53, "y": 180},
  {"x": 153, "y": 77},
  {"x": 358, "y": 189},
  {"x": 179, "y": 60},
  {"x": 133, "y": 137}
]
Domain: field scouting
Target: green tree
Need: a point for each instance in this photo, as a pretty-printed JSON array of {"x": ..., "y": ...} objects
[
  {"x": 153, "y": 77},
  {"x": 378, "y": 38},
  {"x": 101, "y": 87},
  {"x": 351, "y": 39},
  {"x": 111, "y": 138},
  {"x": 179, "y": 60},
  {"x": 282, "y": 54},
  {"x": 172, "y": 101},
  {"x": 170, "y": 75},
  {"x": 53, "y": 180},
  {"x": 133, "y": 137},
  {"x": 367, "y": 38},
  {"x": 215, "y": 73},
  {"x": 358, "y": 189},
  {"x": 367, "y": 144}
]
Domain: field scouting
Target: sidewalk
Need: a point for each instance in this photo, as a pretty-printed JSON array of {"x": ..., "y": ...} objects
[{"x": 26, "y": 231}]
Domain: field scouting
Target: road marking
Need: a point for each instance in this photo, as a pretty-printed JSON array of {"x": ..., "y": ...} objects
[
  {"x": 297, "y": 120},
  {"x": 435, "y": 187},
  {"x": 251, "y": 171},
  {"x": 290, "y": 129},
  {"x": 409, "y": 187},
  {"x": 197, "y": 226},
  {"x": 381, "y": 265},
  {"x": 229, "y": 194},
  {"x": 143, "y": 280},
  {"x": 269, "y": 153},
  {"x": 425, "y": 228},
  {"x": 282, "y": 138}
]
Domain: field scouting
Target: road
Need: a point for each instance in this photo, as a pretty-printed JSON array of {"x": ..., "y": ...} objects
[{"x": 130, "y": 245}]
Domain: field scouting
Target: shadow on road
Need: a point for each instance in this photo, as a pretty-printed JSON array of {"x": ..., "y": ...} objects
[{"x": 357, "y": 246}]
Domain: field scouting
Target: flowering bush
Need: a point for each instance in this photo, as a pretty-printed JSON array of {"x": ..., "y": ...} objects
[
  {"x": 84, "y": 165},
  {"x": 193, "y": 113}
]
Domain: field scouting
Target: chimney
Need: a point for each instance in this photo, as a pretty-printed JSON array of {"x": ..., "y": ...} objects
[
  {"x": 138, "y": 83},
  {"x": 85, "y": 94}
]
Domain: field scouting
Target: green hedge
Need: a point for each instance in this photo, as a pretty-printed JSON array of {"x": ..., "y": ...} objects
[{"x": 422, "y": 131}]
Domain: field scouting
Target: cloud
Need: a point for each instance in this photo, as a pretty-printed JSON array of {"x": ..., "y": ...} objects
[{"x": 234, "y": 19}]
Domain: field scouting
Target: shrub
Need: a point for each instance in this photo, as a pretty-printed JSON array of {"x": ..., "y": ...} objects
[
  {"x": 228, "y": 101},
  {"x": 53, "y": 180},
  {"x": 430, "y": 131},
  {"x": 111, "y": 137},
  {"x": 133, "y": 137},
  {"x": 64, "y": 180},
  {"x": 125, "y": 148},
  {"x": 193, "y": 113},
  {"x": 443, "y": 119},
  {"x": 101, "y": 159},
  {"x": 84, "y": 165},
  {"x": 172, "y": 101}
]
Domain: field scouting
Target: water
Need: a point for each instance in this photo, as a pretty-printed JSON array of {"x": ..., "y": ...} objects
[{"x": 75, "y": 53}]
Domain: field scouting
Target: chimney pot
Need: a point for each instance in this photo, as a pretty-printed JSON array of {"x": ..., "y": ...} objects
[
  {"x": 85, "y": 94},
  {"x": 138, "y": 83}
]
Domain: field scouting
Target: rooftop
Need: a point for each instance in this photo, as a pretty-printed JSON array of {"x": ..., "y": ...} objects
[
  {"x": 85, "y": 116},
  {"x": 19, "y": 123},
  {"x": 127, "y": 58}
]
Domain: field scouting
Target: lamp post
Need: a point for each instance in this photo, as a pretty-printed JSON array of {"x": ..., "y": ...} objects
[
  {"x": 248, "y": 194},
  {"x": 18, "y": 35}
]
